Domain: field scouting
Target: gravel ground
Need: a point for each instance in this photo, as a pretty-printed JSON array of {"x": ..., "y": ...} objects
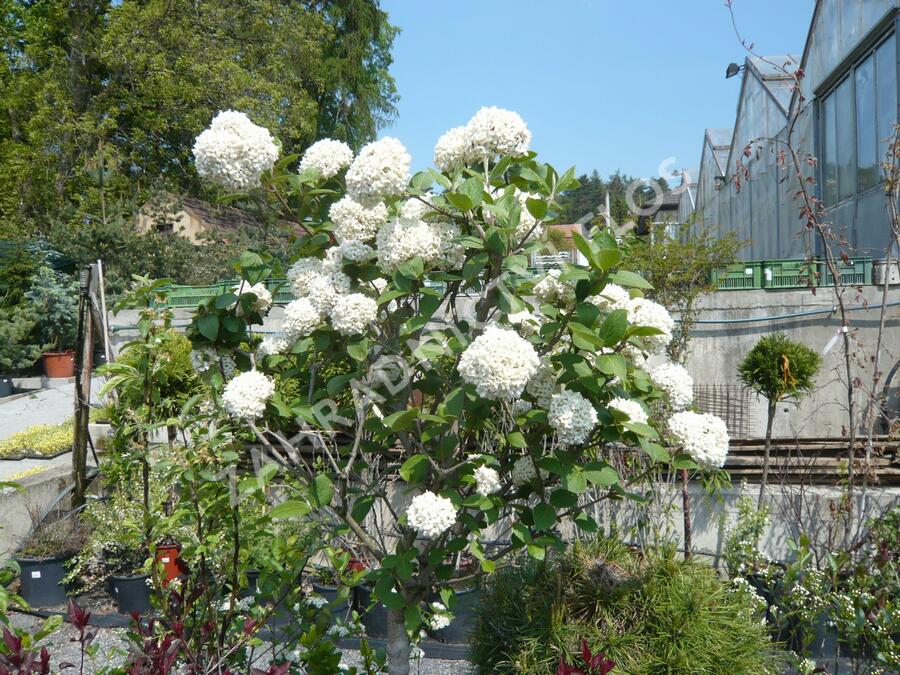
[{"x": 112, "y": 647}]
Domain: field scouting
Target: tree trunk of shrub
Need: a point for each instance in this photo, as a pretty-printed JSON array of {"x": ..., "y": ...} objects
[
  {"x": 397, "y": 643},
  {"x": 686, "y": 507},
  {"x": 766, "y": 453}
]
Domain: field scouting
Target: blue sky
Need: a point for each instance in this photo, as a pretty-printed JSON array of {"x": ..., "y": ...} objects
[{"x": 602, "y": 84}]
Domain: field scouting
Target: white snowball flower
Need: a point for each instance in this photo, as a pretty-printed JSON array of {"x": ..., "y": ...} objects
[
  {"x": 381, "y": 169},
  {"x": 676, "y": 382},
  {"x": 354, "y": 221},
  {"x": 611, "y": 297},
  {"x": 487, "y": 481},
  {"x": 543, "y": 384},
  {"x": 430, "y": 514},
  {"x": 638, "y": 358},
  {"x": 277, "y": 343},
  {"x": 263, "y": 296},
  {"x": 327, "y": 157},
  {"x": 494, "y": 131},
  {"x": 499, "y": 363},
  {"x": 400, "y": 240},
  {"x": 301, "y": 317},
  {"x": 629, "y": 407},
  {"x": 704, "y": 437},
  {"x": 233, "y": 152},
  {"x": 353, "y": 314},
  {"x": 527, "y": 322},
  {"x": 551, "y": 290},
  {"x": 643, "y": 312},
  {"x": 572, "y": 417},
  {"x": 322, "y": 293},
  {"x": 451, "y": 149},
  {"x": 525, "y": 470},
  {"x": 415, "y": 209},
  {"x": 441, "y": 616},
  {"x": 356, "y": 251},
  {"x": 246, "y": 395},
  {"x": 302, "y": 272}
]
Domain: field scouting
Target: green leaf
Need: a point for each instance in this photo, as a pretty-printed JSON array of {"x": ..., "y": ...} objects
[
  {"x": 537, "y": 552},
  {"x": 414, "y": 469},
  {"x": 516, "y": 440},
  {"x": 601, "y": 474},
  {"x": 536, "y": 207},
  {"x": 321, "y": 490},
  {"x": 626, "y": 278},
  {"x": 544, "y": 516},
  {"x": 461, "y": 201},
  {"x": 563, "y": 499},
  {"x": 473, "y": 188},
  {"x": 613, "y": 328},
  {"x": 412, "y": 619},
  {"x": 358, "y": 349},
  {"x": 292, "y": 508},
  {"x": 608, "y": 258},
  {"x": 208, "y": 325},
  {"x": 583, "y": 337},
  {"x": 656, "y": 452},
  {"x": 361, "y": 507},
  {"x": 612, "y": 364},
  {"x": 454, "y": 402},
  {"x": 401, "y": 420}
]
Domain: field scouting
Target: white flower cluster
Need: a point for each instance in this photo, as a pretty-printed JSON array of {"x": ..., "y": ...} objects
[
  {"x": 572, "y": 417},
  {"x": 276, "y": 343},
  {"x": 355, "y": 251},
  {"x": 233, "y": 152},
  {"x": 353, "y": 314},
  {"x": 430, "y": 514},
  {"x": 494, "y": 131},
  {"x": 327, "y": 157},
  {"x": 451, "y": 149},
  {"x": 525, "y": 470},
  {"x": 644, "y": 312},
  {"x": 499, "y": 363},
  {"x": 441, "y": 617},
  {"x": 629, "y": 407},
  {"x": 354, "y": 221},
  {"x": 527, "y": 322},
  {"x": 380, "y": 169},
  {"x": 300, "y": 318},
  {"x": 520, "y": 406},
  {"x": 528, "y": 229},
  {"x": 637, "y": 357},
  {"x": 551, "y": 290},
  {"x": 491, "y": 132},
  {"x": 611, "y": 297},
  {"x": 487, "y": 481},
  {"x": 408, "y": 237},
  {"x": 320, "y": 281},
  {"x": 246, "y": 395},
  {"x": 542, "y": 385},
  {"x": 676, "y": 382},
  {"x": 263, "y": 296},
  {"x": 703, "y": 436}
]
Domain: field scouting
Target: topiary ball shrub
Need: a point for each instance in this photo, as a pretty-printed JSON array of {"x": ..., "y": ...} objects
[{"x": 652, "y": 613}]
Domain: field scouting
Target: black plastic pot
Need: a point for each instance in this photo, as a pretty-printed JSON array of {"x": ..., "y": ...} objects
[
  {"x": 132, "y": 594},
  {"x": 6, "y": 387},
  {"x": 330, "y": 593},
  {"x": 464, "y": 610},
  {"x": 41, "y": 580},
  {"x": 373, "y": 618}
]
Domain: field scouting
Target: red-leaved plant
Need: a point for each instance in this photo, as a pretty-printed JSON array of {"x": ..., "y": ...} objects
[{"x": 594, "y": 664}]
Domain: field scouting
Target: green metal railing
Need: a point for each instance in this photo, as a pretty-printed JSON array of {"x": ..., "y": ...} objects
[{"x": 802, "y": 273}]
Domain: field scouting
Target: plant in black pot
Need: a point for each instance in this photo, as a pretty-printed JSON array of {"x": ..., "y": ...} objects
[
  {"x": 17, "y": 352},
  {"x": 115, "y": 554},
  {"x": 54, "y": 297},
  {"x": 43, "y": 555}
]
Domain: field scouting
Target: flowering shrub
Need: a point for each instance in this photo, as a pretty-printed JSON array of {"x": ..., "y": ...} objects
[{"x": 434, "y": 382}]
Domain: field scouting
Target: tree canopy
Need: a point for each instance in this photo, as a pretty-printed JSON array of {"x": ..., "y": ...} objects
[
  {"x": 590, "y": 196},
  {"x": 102, "y": 100}
]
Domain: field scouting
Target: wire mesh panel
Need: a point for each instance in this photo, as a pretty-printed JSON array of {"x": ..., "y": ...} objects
[{"x": 731, "y": 402}]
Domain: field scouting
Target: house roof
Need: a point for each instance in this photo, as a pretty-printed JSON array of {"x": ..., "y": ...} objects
[
  {"x": 720, "y": 143},
  {"x": 219, "y": 217},
  {"x": 771, "y": 72}
]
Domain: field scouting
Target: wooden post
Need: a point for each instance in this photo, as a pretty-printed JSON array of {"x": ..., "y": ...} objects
[{"x": 84, "y": 350}]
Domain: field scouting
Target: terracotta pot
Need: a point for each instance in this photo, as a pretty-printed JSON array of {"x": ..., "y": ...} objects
[
  {"x": 169, "y": 557},
  {"x": 59, "y": 364}
]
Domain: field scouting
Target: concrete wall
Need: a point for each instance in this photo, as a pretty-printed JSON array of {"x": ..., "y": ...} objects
[{"x": 717, "y": 349}]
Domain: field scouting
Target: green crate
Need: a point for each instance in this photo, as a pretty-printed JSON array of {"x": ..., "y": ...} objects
[
  {"x": 855, "y": 272},
  {"x": 739, "y": 276},
  {"x": 789, "y": 274},
  {"x": 191, "y": 296}
]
